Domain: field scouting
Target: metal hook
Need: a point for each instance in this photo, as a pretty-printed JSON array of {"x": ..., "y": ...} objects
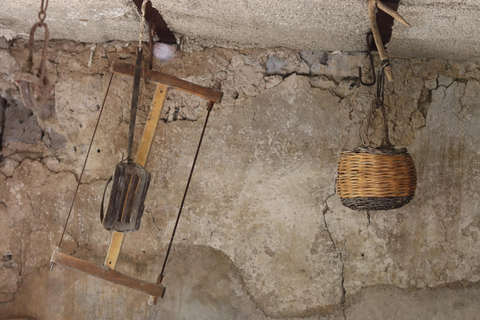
[{"x": 369, "y": 39}]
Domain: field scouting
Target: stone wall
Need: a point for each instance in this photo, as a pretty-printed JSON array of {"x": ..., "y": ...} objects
[{"x": 263, "y": 234}]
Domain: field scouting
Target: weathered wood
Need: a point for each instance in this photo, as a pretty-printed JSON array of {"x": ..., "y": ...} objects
[
  {"x": 114, "y": 250},
  {"x": 151, "y": 125},
  {"x": 372, "y": 8},
  {"x": 171, "y": 81},
  {"x": 106, "y": 274},
  {"x": 372, "y": 17}
]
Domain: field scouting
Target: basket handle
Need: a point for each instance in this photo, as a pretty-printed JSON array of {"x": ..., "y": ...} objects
[{"x": 378, "y": 103}]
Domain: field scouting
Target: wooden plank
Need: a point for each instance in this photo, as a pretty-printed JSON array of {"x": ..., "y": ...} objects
[
  {"x": 106, "y": 274},
  {"x": 151, "y": 125},
  {"x": 171, "y": 81},
  {"x": 142, "y": 155},
  {"x": 114, "y": 249}
]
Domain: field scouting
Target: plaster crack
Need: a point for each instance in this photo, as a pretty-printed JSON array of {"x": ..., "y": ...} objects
[
  {"x": 254, "y": 116},
  {"x": 324, "y": 213},
  {"x": 153, "y": 220},
  {"x": 31, "y": 203},
  {"x": 342, "y": 284},
  {"x": 340, "y": 255}
]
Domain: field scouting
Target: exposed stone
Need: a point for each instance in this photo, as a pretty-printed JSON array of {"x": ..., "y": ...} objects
[
  {"x": 8, "y": 64},
  {"x": 20, "y": 125},
  {"x": 53, "y": 139},
  {"x": 4, "y": 43},
  {"x": 274, "y": 64},
  {"x": 337, "y": 63},
  {"x": 272, "y": 81},
  {"x": 7, "y": 166},
  {"x": 431, "y": 84}
]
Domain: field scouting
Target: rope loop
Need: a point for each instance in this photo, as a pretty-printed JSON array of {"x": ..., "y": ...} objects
[{"x": 42, "y": 14}]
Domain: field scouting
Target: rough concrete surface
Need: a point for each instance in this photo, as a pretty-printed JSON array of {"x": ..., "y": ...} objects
[
  {"x": 440, "y": 28},
  {"x": 263, "y": 234}
]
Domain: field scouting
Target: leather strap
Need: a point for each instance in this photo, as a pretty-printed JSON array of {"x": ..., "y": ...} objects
[{"x": 102, "y": 215}]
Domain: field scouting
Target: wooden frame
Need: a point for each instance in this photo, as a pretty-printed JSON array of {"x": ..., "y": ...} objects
[{"x": 107, "y": 272}]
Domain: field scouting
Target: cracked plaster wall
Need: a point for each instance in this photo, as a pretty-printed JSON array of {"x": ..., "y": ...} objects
[{"x": 263, "y": 235}]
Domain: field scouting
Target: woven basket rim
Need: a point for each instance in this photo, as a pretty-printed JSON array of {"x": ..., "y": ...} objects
[{"x": 379, "y": 151}]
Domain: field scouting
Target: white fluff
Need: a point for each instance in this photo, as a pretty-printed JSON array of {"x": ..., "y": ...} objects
[{"x": 163, "y": 51}]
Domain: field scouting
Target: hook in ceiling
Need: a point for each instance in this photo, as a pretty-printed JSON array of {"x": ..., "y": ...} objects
[{"x": 369, "y": 39}]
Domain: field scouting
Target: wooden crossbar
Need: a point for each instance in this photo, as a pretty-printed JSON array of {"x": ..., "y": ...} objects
[
  {"x": 208, "y": 94},
  {"x": 92, "y": 269}
]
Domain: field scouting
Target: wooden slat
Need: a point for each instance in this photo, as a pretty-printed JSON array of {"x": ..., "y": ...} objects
[
  {"x": 151, "y": 125},
  {"x": 171, "y": 81},
  {"x": 114, "y": 249},
  {"x": 106, "y": 274}
]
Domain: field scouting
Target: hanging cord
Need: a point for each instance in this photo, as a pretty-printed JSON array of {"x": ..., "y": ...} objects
[
  {"x": 85, "y": 162},
  {"x": 144, "y": 5},
  {"x": 136, "y": 88},
  {"x": 42, "y": 14},
  {"x": 378, "y": 103},
  {"x": 160, "y": 276},
  {"x": 151, "y": 36}
]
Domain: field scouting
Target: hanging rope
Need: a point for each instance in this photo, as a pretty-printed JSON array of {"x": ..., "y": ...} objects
[
  {"x": 42, "y": 14},
  {"x": 136, "y": 88},
  {"x": 142, "y": 24},
  {"x": 378, "y": 103},
  {"x": 151, "y": 36},
  {"x": 85, "y": 162}
]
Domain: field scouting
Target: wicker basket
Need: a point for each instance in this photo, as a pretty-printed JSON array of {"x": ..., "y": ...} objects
[{"x": 376, "y": 179}]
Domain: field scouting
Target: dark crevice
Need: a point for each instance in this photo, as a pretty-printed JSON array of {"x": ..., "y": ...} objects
[
  {"x": 342, "y": 285},
  {"x": 162, "y": 31},
  {"x": 3, "y": 106},
  {"x": 385, "y": 23}
]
